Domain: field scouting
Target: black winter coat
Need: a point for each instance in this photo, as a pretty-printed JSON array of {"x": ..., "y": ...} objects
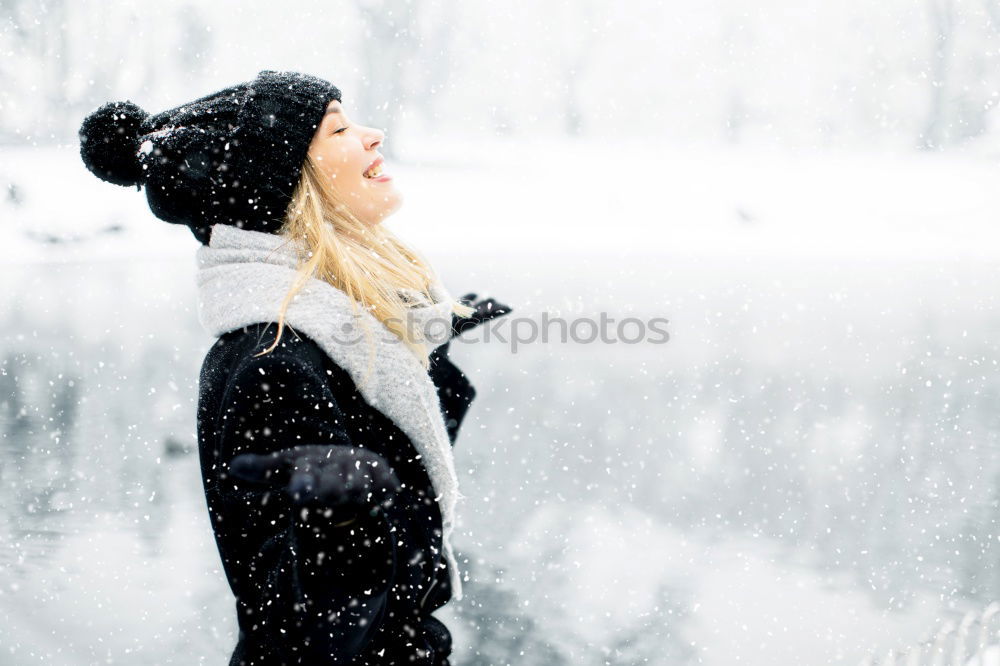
[{"x": 356, "y": 594}]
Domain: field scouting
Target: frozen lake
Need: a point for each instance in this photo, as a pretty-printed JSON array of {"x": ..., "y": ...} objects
[{"x": 805, "y": 473}]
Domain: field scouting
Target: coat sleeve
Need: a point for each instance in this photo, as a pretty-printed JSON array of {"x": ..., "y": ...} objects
[
  {"x": 454, "y": 389},
  {"x": 311, "y": 587}
]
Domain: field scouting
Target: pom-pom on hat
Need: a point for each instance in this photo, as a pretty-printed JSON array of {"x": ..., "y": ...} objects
[{"x": 231, "y": 157}]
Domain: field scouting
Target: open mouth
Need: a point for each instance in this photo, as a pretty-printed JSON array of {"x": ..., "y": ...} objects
[{"x": 374, "y": 170}]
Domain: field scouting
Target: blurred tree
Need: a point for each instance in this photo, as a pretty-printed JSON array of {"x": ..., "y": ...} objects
[
  {"x": 387, "y": 54},
  {"x": 194, "y": 35},
  {"x": 62, "y": 59},
  {"x": 438, "y": 23},
  {"x": 577, "y": 39},
  {"x": 942, "y": 16}
]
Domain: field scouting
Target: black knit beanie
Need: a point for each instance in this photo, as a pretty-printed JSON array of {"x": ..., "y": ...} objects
[{"x": 231, "y": 157}]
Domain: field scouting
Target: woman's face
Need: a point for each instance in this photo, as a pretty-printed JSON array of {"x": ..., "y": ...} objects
[{"x": 347, "y": 154}]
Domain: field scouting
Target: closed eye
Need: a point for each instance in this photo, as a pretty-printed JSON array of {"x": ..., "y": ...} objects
[{"x": 338, "y": 131}]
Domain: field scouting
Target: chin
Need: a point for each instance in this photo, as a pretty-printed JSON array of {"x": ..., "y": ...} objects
[
  {"x": 381, "y": 217},
  {"x": 392, "y": 206},
  {"x": 379, "y": 212}
]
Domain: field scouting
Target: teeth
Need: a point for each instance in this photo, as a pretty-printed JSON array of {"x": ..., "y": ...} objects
[{"x": 374, "y": 172}]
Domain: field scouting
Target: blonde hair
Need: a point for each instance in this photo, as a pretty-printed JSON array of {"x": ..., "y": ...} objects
[{"x": 366, "y": 262}]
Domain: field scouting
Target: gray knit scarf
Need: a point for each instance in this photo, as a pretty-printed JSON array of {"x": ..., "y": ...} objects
[{"x": 243, "y": 277}]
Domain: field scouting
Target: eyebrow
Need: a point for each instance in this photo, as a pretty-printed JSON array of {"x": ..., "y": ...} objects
[{"x": 330, "y": 110}]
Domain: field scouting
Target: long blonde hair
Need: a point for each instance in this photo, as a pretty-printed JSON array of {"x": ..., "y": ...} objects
[{"x": 367, "y": 262}]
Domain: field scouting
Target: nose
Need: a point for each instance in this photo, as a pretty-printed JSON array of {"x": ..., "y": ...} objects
[{"x": 374, "y": 138}]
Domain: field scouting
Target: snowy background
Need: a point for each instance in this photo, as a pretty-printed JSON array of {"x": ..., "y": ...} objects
[{"x": 805, "y": 473}]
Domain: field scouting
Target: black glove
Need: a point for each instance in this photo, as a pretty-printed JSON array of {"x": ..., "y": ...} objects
[
  {"x": 486, "y": 309},
  {"x": 331, "y": 487},
  {"x": 338, "y": 477}
]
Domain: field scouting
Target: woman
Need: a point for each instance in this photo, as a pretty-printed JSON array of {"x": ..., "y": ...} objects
[{"x": 328, "y": 404}]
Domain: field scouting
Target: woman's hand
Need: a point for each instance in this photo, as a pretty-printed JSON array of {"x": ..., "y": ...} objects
[
  {"x": 316, "y": 476},
  {"x": 332, "y": 486},
  {"x": 486, "y": 309}
]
